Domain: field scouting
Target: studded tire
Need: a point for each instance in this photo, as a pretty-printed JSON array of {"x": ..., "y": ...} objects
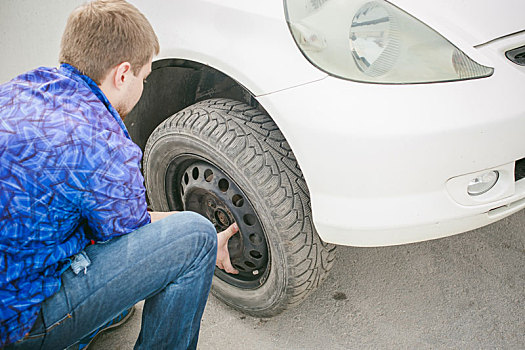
[{"x": 230, "y": 162}]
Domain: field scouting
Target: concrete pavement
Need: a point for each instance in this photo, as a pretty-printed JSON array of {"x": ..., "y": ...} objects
[{"x": 465, "y": 291}]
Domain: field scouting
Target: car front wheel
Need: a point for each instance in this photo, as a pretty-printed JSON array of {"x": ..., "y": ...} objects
[{"x": 229, "y": 162}]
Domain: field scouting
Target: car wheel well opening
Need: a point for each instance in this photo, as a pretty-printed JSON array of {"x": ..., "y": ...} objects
[{"x": 175, "y": 84}]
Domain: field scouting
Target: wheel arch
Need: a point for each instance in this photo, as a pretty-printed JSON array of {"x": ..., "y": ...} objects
[{"x": 175, "y": 84}]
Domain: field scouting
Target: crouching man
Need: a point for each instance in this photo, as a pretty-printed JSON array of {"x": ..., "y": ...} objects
[{"x": 77, "y": 246}]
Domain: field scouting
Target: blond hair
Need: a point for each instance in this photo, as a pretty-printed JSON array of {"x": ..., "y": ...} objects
[{"x": 104, "y": 33}]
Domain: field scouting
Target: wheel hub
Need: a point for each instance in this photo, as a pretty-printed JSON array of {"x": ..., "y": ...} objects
[{"x": 222, "y": 218}]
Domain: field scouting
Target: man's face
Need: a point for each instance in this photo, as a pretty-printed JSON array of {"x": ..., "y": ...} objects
[{"x": 133, "y": 90}]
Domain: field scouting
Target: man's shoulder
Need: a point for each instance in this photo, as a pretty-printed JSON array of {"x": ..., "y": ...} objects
[
  {"x": 32, "y": 80},
  {"x": 55, "y": 107},
  {"x": 43, "y": 88},
  {"x": 47, "y": 96}
]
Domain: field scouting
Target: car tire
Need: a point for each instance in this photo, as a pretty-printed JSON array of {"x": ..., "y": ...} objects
[{"x": 230, "y": 162}]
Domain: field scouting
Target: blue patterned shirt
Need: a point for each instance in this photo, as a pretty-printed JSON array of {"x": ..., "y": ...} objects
[{"x": 69, "y": 173}]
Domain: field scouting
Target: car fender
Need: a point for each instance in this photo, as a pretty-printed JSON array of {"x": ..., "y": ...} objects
[{"x": 247, "y": 40}]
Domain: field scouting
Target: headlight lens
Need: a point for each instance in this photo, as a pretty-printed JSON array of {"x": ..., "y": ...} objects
[{"x": 374, "y": 41}]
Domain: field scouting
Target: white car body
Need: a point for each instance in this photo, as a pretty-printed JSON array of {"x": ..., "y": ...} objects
[{"x": 384, "y": 164}]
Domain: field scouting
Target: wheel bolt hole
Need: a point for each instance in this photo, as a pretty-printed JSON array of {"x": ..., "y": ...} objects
[
  {"x": 186, "y": 178},
  {"x": 208, "y": 175},
  {"x": 255, "y": 254},
  {"x": 255, "y": 238},
  {"x": 237, "y": 200},
  {"x": 249, "y": 219},
  {"x": 224, "y": 185},
  {"x": 249, "y": 264},
  {"x": 195, "y": 173}
]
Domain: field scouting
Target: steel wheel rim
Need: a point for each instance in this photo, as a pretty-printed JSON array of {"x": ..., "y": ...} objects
[{"x": 204, "y": 188}]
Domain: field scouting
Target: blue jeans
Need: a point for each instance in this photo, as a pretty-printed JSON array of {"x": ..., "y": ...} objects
[{"x": 169, "y": 263}]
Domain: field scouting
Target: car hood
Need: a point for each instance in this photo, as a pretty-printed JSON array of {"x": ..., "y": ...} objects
[{"x": 475, "y": 21}]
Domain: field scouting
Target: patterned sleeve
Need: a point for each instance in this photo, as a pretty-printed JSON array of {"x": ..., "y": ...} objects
[{"x": 114, "y": 200}]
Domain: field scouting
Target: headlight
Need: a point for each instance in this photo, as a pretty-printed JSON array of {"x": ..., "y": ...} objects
[{"x": 374, "y": 41}]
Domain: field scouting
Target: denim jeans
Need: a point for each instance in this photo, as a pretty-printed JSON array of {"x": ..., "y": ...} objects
[{"x": 169, "y": 263}]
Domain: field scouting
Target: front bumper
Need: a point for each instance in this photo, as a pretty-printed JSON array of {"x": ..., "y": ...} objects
[{"x": 383, "y": 162}]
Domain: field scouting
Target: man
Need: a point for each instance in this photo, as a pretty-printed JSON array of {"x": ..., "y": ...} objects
[{"x": 77, "y": 249}]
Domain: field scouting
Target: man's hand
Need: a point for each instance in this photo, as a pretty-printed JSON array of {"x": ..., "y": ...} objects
[{"x": 223, "y": 256}]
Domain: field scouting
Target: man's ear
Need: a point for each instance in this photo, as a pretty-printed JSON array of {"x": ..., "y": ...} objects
[
  {"x": 114, "y": 83},
  {"x": 121, "y": 73}
]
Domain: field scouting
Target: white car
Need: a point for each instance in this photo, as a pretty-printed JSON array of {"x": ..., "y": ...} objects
[{"x": 320, "y": 122}]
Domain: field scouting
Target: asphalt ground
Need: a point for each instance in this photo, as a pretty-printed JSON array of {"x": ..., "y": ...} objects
[{"x": 462, "y": 292}]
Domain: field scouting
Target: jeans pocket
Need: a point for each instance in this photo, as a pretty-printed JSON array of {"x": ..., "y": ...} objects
[
  {"x": 32, "y": 340},
  {"x": 38, "y": 330},
  {"x": 38, "y": 334},
  {"x": 56, "y": 310}
]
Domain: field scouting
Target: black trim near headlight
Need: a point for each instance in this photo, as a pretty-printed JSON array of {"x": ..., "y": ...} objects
[{"x": 517, "y": 55}]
